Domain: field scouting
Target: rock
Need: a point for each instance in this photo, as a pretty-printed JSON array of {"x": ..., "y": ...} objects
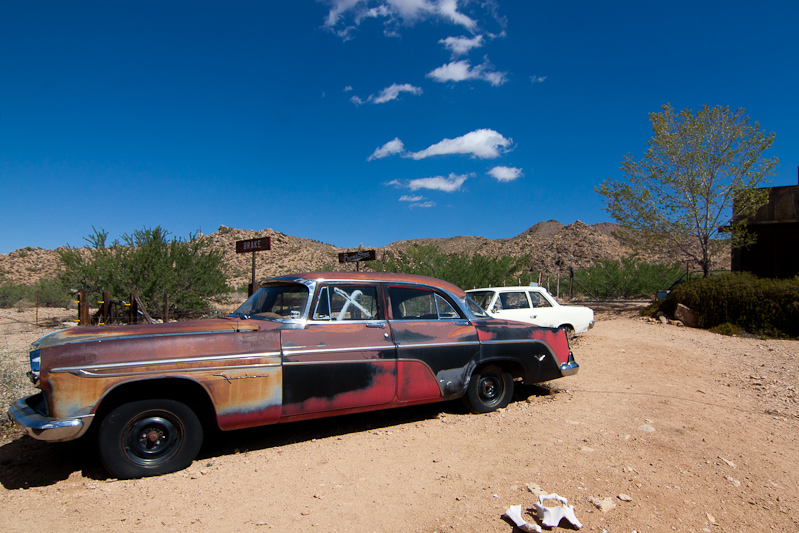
[
  {"x": 646, "y": 428},
  {"x": 663, "y": 320},
  {"x": 603, "y": 504},
  {"x": 623, "y": 497},
  {"x": 686, "y": 316},
  {"x": 536, "y": 490}
]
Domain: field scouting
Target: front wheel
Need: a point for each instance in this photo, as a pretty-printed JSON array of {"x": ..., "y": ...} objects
[
  {"x": 149, "y": 438},
  {"x": 490, "y": 388}
]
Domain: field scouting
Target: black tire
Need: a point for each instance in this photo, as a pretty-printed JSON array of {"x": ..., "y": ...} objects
[
  {"x": 490, "y": 388},
  {"x": 149, "y": 438}
]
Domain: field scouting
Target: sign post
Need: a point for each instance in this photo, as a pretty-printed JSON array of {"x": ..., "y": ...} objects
[
  {"x": 253, "y": 245},
  {"x": 357, "y": 257}
]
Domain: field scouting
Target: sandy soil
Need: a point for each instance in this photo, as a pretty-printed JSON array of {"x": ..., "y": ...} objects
[{"x": 678, "y": 429}]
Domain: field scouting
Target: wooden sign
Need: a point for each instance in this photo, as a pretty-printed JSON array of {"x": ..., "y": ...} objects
[
  {"x": 354, "y": 257},
  {"x": 254, "y": 245}
]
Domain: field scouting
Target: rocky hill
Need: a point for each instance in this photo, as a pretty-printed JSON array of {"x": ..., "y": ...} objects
[{"x": 551, "y": 246}]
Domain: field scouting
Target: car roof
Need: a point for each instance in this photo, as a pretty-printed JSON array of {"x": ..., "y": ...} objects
[
  {"x": 512, "y": 288},
  {"x": 385, "y": 277}
]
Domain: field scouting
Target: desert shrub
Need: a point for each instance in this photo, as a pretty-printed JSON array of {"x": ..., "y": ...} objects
[
  {"x": 727, "y": 329},
  {"x": 150, "y": 263},
  {"x": 767, "y": 307},
  {"x": 463, "y": 270},
  {"x": 11, "y": 293},
  {"x": 51, "y": 294},
  {"x": 628, "y": 278}
]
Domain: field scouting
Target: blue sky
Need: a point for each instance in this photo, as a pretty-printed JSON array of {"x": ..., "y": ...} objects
[{"x": 356, "y": 122}]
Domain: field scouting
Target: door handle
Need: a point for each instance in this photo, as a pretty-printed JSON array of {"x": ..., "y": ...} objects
[{"x": 380, "y": 325}]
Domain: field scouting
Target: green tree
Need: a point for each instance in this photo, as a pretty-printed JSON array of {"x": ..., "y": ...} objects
[
  {"x": 680, "y": 195},
  {"x": 150, "y": 263},
  {"x": 462, "y": 270},
  {"x": 628, "y": 278}
]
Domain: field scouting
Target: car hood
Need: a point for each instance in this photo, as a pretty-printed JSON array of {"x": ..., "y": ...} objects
[{"x": 90, "y": 333}]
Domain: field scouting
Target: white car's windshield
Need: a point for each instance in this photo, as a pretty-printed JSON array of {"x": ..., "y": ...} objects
[
  {"x": 482, "y": 298},
  {"x": 475, "y": 307}
]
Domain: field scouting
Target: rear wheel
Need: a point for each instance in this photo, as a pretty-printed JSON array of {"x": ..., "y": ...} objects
[
  {"x": 490, "y": 388},
  {"x": 149, "y": 438},
  {"x": 568, "y": 330}
]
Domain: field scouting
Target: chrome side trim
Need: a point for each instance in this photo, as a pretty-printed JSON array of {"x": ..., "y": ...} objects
[
  {"x": 43, "y": 427},
  {"x": 438, "y": 344},
  {"x": 167, "y": 361},
  {"x": 339, "y": 361},
  {"x": 89, "y": 374},
  {"x": 322, "y": 349}
]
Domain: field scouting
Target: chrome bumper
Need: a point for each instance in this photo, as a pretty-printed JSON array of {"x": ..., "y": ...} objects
[
  {"x": 42, "y": 427},
  {"x": 570, "y": 367}
]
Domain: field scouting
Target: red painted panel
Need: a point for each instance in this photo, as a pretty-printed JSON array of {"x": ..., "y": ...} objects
[
  {"x": 415, "y": 381},
  {"x": 239, "y": 420}
]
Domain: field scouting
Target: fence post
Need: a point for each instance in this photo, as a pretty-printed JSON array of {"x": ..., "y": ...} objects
[
  {"x": 133, "y": 310},
  {"x": 105, "y": 309},
  {"x": 83, "y": 309},
  {"x": 571, "y": 283},
  {"x": 166, "y": 307}
]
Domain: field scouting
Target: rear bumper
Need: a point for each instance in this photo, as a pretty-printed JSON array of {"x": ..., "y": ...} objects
[
  {"x": 28, "y": 414},
  {"x": 570, "y": 367}
]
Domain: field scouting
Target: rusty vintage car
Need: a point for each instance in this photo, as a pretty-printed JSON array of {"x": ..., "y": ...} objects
[{"x": 303, "y": 346}]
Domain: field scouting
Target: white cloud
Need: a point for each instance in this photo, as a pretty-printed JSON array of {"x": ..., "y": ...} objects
[
  {"x": 484, "y": 143},
  {"x": 538, "y": 79},
  {"x": 449, "y": 9},
  {"x": 392, "y": 147},
  {"x": 462, "y": 45},
  {"x": 395, "y": 12},
  {"x": 348, "y": 89},
  {"x": 451, "y": 183},
  {"x": 337, "y": 8},
  {"x": 388, "y": 94},
  {"x": 462, "y": 70},
  {"x": 407, "y": 198},
  {"x": 505, "y": 173},
  {"x": 428, "y": 203}
]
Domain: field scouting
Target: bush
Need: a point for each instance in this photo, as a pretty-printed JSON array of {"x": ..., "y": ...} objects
[
  {"x": 150, "y": 263},
  {"x": 51, "y": 294},
  {"x": 628, "y": 278},
  {"x": 462, "y": 270},
  {"x": 767, "y": 307}
]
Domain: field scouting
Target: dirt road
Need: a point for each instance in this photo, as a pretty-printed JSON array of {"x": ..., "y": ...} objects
[{"x": 698, "y": 432}]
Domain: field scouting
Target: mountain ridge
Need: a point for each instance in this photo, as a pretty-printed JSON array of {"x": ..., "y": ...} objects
[{"x": 551, "y": 246}]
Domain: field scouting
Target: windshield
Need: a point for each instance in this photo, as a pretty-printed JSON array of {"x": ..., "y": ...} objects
[
  {"x": 475, "y": 308},
  {"x": 482, "y": 298},
  {"x": 275, "y": 301}
]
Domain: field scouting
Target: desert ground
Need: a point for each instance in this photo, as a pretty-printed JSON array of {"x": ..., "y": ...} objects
[{"x": 664, "y": 428}]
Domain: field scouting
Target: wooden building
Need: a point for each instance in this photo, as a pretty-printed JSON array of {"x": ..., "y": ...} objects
[{"x": 776, "y": 224}]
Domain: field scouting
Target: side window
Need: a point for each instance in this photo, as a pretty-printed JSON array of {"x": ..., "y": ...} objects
[
  {"x": 346, "y": 302},
  {"x": 445, "y": 310},
  {"x": 322, "y": 309},
  {"x": 538, "y": 300},
  {"x": 419, "y": 304},
  {"x": 514, "y": 300}
]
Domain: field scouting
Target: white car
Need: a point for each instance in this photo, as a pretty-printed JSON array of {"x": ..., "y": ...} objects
[{"x": 533, "y": 305}]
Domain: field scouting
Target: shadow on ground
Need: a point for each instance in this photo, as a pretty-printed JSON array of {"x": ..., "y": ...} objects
[{"x": 26, "y": 462}]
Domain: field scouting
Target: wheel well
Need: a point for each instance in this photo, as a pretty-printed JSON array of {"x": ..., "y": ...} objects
[
  {"x": 514, "y": 367},
  {"x": 182, "y": 390}
]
